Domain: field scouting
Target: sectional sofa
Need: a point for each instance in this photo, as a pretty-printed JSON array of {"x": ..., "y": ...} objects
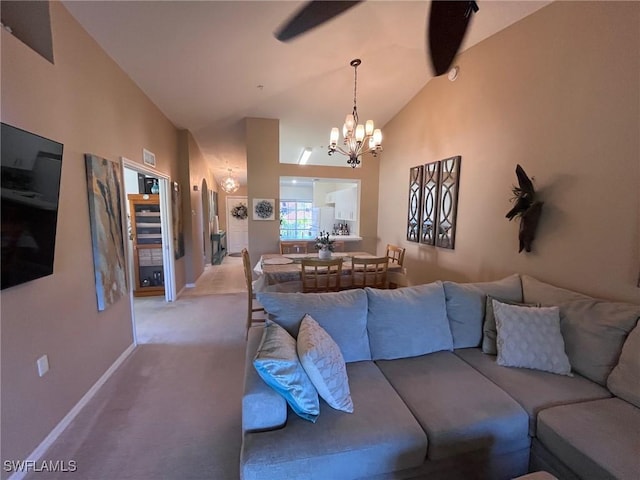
[{"x": 432, "y": 400}]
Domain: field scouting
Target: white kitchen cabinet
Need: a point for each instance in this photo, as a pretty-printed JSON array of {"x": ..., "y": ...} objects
[
  {"x": 331, "y": 197},
  {"x": 346, "y": 204}
]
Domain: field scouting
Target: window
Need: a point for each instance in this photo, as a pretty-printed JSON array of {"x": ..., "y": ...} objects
[{"x": 296, "y": 219}]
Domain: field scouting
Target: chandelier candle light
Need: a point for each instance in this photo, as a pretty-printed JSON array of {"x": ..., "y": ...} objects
[
  {"x": 230, "y": 184},
  {"x": 358, "y": 139}
]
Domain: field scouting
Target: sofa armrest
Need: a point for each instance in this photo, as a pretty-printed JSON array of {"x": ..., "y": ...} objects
[{"x": 262, "y": 407}]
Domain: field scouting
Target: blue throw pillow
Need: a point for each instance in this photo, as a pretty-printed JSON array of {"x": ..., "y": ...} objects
[
  {"x": 408, "y": 322},
  {"x": 277, "y": 363},
  {"x": 342, "y": 314}
]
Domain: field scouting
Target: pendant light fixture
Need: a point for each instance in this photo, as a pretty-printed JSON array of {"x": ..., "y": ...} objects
[
  {"x": 358, "y": 139},
  {"x": 230, "y": 184}
]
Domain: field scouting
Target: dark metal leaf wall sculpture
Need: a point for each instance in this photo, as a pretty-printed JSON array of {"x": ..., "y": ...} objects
[{"x": 527, "y": 208}]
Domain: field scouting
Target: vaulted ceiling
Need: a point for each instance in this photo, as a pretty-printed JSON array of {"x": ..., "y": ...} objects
[{"x": 209, "y": 64}]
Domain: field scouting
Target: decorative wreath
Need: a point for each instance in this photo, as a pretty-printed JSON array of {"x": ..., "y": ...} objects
[
  {"x": 240, "y": 211},
  {"x": 264, "y": 209}
]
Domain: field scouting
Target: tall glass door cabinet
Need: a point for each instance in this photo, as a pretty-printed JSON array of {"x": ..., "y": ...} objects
[{"x": 146, "y": 233}]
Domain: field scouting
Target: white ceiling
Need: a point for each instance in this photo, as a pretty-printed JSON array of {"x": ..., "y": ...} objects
[{"x": 209, "y": 64}]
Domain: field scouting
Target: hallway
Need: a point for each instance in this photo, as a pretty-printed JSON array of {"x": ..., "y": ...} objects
[{"x": 226, "y": 278}]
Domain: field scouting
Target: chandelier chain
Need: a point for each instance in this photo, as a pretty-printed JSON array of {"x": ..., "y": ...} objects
[{"x": 355, "y": 93}]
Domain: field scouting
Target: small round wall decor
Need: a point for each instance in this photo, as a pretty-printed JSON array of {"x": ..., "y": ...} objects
[
  {"x": 263, "y": 209},
  {"x": 240, "y": 211}
]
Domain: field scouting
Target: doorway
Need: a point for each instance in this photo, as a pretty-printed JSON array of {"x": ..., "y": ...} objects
[
  {"x": 237, "y": 229},
  {"x": 156, "y": 266}
]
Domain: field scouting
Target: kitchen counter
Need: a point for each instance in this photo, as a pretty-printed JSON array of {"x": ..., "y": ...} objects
[{"x": 344, "y": 238}]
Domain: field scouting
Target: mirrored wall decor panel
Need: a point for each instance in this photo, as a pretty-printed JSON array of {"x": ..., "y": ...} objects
[
  {"x": 415, "y": 197},
  {"x": 433, "y": 202},
  {"x": 431, "y": 177},
  {"x": 448, "y": 203}
]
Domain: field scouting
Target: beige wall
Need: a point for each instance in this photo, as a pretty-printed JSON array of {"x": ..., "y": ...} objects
[
  {"x": 87, "y": 103},
  {"x": 263, "y": 179},
  {"x": 557, "y": 93},
  {"x": 193, "y": 171}
]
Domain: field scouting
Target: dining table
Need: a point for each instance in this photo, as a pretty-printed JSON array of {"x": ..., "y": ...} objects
[{"x": 276, "y": 269}]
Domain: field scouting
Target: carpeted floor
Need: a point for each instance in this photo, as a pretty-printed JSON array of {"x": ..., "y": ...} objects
[{"x": 173, "y": 409}]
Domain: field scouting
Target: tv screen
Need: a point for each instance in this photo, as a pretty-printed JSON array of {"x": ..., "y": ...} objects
[{"x": 30, "y": 187}]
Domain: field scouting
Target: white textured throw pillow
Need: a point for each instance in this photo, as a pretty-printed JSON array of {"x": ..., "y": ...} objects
[
  {"x": 530, "y": 338},
  {"x": 321, "y": 358}
]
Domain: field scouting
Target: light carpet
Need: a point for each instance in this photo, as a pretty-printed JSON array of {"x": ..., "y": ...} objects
[{"x": 173, "y": 409}]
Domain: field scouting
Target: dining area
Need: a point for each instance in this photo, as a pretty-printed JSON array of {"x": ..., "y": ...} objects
[
  {"x": 312, "y": 272},
  {"x": 305, "y": 272}
]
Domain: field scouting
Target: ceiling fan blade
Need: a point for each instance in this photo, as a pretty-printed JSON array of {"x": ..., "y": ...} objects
[
  {"x": 448, "y": 21},
  {"x": 311, "y": 15}
]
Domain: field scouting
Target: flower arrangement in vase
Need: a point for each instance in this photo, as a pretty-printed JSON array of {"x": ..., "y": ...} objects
[{"x": 324, "y": 245}]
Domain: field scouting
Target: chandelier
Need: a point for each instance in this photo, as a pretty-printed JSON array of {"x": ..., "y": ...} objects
[
  {"x": 358, "y": 139},
  {"x": 230, "y": 184}
]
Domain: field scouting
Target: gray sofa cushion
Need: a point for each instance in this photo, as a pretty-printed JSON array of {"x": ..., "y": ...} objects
[
  {"x": 461, "y": 410},
  {"x": 342, "y": 314},
  {"x": 596, "y": 439},
  {"x": 380, "y": 436},
  {"x": 624, "y": 380},
  {"x": 533, "y": 390},
  {"x": 593, "y": 330},
  {"x": 407, "y": 322},
  {"x": 466, "y": 306},
  {"x": 262, "y": 407}
]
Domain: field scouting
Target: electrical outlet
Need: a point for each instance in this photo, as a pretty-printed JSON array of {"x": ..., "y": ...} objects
[{"x": 43, "y": 365}]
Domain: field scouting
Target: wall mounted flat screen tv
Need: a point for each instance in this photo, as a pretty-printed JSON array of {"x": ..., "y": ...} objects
[{"x": 30, "y": 188}]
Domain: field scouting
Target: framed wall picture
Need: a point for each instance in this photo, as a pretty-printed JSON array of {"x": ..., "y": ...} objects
[
  {"x": 264, "y": 209},
  {"x": 433, "y": 202},
  {"x": 448, "y": 202},
  {"x": 430, "y": 196}
]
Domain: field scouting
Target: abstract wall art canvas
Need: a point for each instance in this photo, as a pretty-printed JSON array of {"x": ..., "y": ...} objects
[
  {"x": 178, "y": 227},
  {"x": 104, "y": 187}
]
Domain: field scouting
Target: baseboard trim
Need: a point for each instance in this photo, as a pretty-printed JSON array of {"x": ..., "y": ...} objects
[{"x": 69, "y": 417}]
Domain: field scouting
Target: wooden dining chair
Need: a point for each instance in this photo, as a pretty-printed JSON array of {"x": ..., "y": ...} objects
[
  {"x": 321, "y": 275},
  {"x": 369, "y": 272},
  {"x": 396, "y": 255},
  {"x": 251, "y": 309},
  {"x": 288, "y": 246},
  {"x": 338, "y": 246}
]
